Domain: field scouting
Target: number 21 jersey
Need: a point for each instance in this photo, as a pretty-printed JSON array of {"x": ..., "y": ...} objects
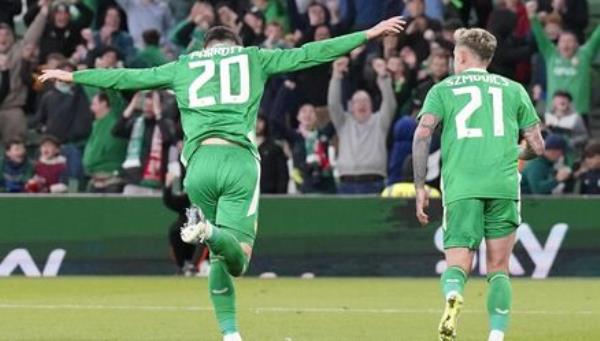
[{"x": 481, "y": 115}]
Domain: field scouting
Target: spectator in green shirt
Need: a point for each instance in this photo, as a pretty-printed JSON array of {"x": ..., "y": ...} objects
[
  {"x": 568, "y": 65},
  {"x": 151, "y": 55},
  {"x": 104, "y": 153}
]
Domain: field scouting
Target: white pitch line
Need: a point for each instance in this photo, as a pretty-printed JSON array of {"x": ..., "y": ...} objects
[{"x": 259, "y": 310}]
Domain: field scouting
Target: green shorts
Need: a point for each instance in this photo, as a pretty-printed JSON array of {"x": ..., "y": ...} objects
[
  {"x": 224, "y": 182},
  {"x": 467, "y": 221}
]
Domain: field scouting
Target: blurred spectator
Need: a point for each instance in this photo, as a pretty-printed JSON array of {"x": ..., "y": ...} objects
[
  {"x": 111, "y": 34},
  {"x": 8, "y": 10},
  {"x": 62, "y": 33},
  {"x": 151, "y": 55},
  {"x": 273, "y": 162},
  {"x": 588, "y": 174},
  {"x": 105, "y": 153},
  {"x": 547, "y": 174},
  {"x": 4, "y": 78},
  {"x": 575, "y": 14},
  {"x": 144, "y": 15},
  {"x": 12, "y": 117},
  {"x": 359, "y": 14},
  {"x": 568, "y": 66},
  {"x": 274, "y": 37},
  {"x": 420, "y": 30},
  {"x": 178, "y": 202},
  {"x": 64, "y": 112},
  {"x": 149, "y": 135},
  {"x": 563, "y": 120},
  {"x": 313, "y": 172},
  {"x": 50, "y": 172},
  {"x": 189, "y": 33},
  {"x": 438, "y": 68},
  {"x": 274, "y": 11},
  {"x": 513, "y": 48},
  {"x": 16, "y": 168},
  {"x": 252, "y": 28},
  {"x": 404, "y": 80},
  {"x": 433, "y": 9},
  {"x": 403, "y": 132},
  {"x": 362, "y": 158}
]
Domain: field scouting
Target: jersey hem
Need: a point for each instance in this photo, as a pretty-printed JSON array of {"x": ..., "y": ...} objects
[{"x": 482, "y": 196}]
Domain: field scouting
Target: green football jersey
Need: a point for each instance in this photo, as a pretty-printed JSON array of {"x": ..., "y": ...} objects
[
  {"x": 481, "y": 115},
  {"x": 218, "y": 90}
]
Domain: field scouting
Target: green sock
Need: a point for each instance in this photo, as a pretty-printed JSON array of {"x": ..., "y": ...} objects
[
  {"x": 453, "y": 280},
  {"x": 222, "y": 294},
  {"x": 224, "y": 245},
  {"x": 499, "y": 300}
]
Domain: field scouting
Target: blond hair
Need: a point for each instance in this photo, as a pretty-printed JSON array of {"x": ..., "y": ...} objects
[{"x": 479, "y": 41}]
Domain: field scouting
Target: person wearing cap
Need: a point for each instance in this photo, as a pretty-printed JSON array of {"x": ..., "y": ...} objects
[
  {"x": 547, "y": 174},
  {"x": 50, "y": 172},
  {"x": 62, "y": 32}
]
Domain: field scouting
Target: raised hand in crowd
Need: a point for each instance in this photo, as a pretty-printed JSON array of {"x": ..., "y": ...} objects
[{"x": 340, "y": 67}]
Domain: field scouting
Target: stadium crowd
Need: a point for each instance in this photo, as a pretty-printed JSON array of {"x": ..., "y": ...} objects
[{"x": 343, "y": 127}]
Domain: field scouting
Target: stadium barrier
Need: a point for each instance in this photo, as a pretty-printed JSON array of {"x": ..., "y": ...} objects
[{"x": 325, "y": 236}]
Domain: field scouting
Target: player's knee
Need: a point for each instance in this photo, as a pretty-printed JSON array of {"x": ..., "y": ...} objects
[
  {"x": 241, "y": 265},
  {"x": 497, "y": 264}
]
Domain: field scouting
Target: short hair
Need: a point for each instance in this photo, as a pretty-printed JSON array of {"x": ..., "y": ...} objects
[
  {"x": 151, "y": 37},
  {"x": 592, "y": 149},
  {"x": 13, "y": 141},
  {"x": 103, "y": 97},
  {"x": 478, "y": 40},
  {"x": 221, "y": 33},
  {"x": 563, "y": 93}
]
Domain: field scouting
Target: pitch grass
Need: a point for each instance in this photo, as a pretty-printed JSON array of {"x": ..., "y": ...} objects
[{"x": 164, "y": 308}]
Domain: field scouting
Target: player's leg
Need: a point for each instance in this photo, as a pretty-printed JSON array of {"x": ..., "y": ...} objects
[
  {"x": 463, "y": 231},
  {"x": 229, "y": 234},
  {"x": 202, "y": 187},
  {"x": 501, "y": 221}
]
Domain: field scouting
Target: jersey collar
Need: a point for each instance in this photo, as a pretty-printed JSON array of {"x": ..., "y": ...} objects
[{"x": 476, "y": 69}]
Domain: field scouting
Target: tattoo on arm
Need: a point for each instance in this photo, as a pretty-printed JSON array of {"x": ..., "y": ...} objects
[
  {"x": 420, "y": 149},
  {"x": 535, "y": 143}
]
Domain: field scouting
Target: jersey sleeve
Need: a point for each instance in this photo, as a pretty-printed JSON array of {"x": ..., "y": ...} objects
[
  {"x": 592, "y": 46},
  {"x": 433, "y": 104},
  {"x": 544, "y": 43},
  {"x": 527, "y": 116},
  {"x": 311, "y": 54},
  {"x": 128, "y": 79}
]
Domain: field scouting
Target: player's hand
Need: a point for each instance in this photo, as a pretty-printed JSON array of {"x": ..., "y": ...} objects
[
  {"x": 394, "y": 25},
  {"x": 59, "y": 75},
  {"x": 563, "y": 174},
  {"x": 422, "y": 197}
]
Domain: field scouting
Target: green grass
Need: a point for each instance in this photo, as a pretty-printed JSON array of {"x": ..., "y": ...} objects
[{"x": 161, "y": 308}]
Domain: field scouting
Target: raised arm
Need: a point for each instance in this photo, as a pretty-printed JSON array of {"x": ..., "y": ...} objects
[
  {"x": 118, "y": 79},
  {"x": 334, "y": 93},
  {"x": 593, "y": 44},
  {"x": 544, "y": 43},
  {"x": 36, "y": 29},
  {"x": 388, "y": 98},
  {"x": 315, "y": 53}
]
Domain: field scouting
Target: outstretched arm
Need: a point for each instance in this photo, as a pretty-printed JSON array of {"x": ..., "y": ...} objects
[
  {"x": 315, "y": 53},
  {"x": 420, "y": 154},
  {"x": 118, "y": 79}
]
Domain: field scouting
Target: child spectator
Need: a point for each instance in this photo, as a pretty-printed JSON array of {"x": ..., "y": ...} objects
[
  {"x": 50, "y": 169},
  {"x": 16, "y": 168},
  {"x": 562, "y": 119}
]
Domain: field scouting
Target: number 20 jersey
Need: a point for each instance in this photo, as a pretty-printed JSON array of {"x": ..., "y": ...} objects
[{"x": 481, "y": 114}]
